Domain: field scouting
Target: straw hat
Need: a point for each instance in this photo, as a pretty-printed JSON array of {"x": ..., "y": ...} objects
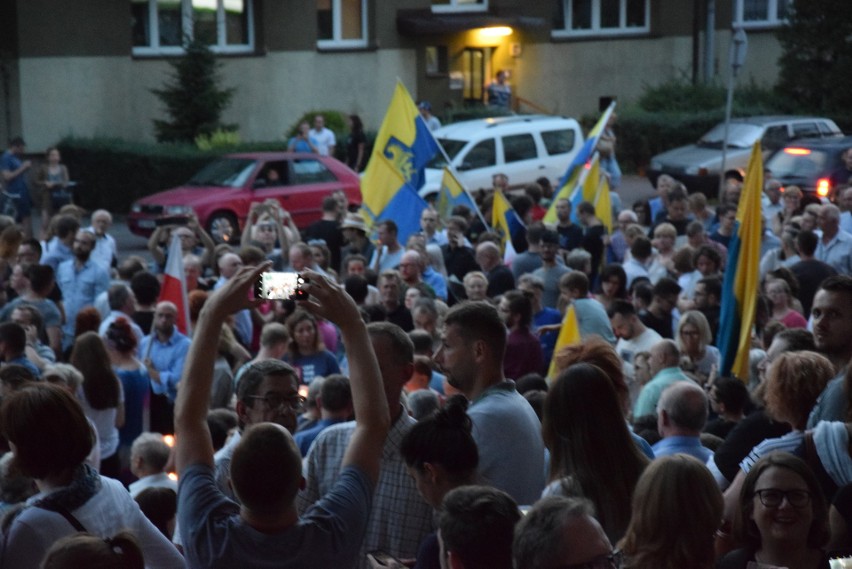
[{"x": 354, "y": 221}]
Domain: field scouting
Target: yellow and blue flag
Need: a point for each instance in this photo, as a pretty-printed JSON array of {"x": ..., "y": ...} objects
[
  {"x": 452, "y": 193},
  {"x": 742, "y": 276},
  {"x": 569, "y": 335},
  {"x": 603, "y": 204},
  {"x": 395, "y": 172},
  {"x": 570, "y": 184},
  {"x": 506, "y": 222}
]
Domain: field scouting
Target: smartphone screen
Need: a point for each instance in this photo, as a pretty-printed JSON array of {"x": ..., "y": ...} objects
[{"x": 278, "y": 286}]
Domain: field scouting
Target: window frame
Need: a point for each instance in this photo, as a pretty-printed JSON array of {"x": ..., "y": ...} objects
[
  {"x": 336, "y": 25},
  {"x": 596, "y": 30},
  {"x": 187, "y": 24},
  {"x": 455, "y": 6},
  {"x": 771, "y": 20}
]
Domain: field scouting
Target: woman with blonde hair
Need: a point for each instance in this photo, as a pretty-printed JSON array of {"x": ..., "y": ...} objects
[
  {"x": 781, "y": 297},
  {"x": 694, "y": 340},
  {"x": 792, "y": 199},
  {"x": 677, "y": 507}
]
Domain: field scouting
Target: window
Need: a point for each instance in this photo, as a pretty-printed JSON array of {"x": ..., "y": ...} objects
[
  {"x": 459, "y": 5},
  {"x": 558, "y": 141},
  {"x": 805, "y": 130},
  {"x": 159, "y": 26},
  {"x": 519, "y": 147},
  {"x": 307, "y": 171},
  {"x": 762, "y": 13},
  {"x": 437, "y": 60},
  {"x": 604, "y": 17},
  {"x": 482, "y": 155},
  {"x": 341, "y": 23},
  {"x": 775, "y": 137}
]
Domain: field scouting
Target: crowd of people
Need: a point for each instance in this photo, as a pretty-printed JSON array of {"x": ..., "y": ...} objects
[{"x": 413, "y": 408}]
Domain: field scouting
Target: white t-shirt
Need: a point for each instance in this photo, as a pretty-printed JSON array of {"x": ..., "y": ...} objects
[
  {"x": 628, "y": 348},
  {"x": 104, "y": 421},
  {"x": 323, "y": 140}
]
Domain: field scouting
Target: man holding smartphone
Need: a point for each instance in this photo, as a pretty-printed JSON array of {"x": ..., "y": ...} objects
[{"x": 266, "y": 468}]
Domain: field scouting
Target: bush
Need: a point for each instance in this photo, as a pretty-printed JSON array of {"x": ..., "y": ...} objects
[{"x": 114, "y": 173}]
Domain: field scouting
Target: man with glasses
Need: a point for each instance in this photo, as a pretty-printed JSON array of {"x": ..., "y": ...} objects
[{"x": 562, "y": 533}]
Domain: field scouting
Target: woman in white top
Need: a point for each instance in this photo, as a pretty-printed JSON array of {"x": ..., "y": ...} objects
[
  {"x": 101, "y": 396},
  {"x": 50, "y": 439}
]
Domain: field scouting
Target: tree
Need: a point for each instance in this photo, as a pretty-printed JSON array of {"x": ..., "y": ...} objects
[
  {"x": 816, "y": 67},
  {"x": 192, "y": 97}
]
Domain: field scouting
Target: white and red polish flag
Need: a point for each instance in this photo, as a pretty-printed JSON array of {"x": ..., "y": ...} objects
[{"x": 174, "y": 285}]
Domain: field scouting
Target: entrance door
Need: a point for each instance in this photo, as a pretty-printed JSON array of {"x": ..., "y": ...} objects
[{"x": 473, "y": 68}]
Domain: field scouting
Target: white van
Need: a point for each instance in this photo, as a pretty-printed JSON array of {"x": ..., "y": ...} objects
[{"x": 524, "y": 147}]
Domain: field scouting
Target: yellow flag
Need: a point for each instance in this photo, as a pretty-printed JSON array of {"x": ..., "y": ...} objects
[{"x": 569, "y": 335}]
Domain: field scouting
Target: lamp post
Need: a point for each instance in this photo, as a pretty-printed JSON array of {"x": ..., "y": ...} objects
[{"x": 737, "y": 55}]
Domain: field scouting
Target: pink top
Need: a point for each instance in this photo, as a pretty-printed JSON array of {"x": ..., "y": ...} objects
[{"x": 794, "y": 319}]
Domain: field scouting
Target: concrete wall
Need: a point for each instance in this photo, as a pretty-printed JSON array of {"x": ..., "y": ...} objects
[{"x": 110, "y": 96}]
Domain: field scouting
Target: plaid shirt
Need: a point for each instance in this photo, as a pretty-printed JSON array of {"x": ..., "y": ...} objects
[{"x": 400, "y": 518}]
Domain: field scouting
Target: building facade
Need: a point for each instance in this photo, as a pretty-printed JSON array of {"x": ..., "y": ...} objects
[{"x": 87, "y": 68}]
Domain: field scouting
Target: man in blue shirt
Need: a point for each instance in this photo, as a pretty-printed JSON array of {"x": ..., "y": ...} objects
[
  {"x": 81, "y": 281},
  {"x": 164, "y": 352},
  {"x": 266, "y": 469},
  {"x": 681, "y": 415},
  {"x": 13, "y": 171}
]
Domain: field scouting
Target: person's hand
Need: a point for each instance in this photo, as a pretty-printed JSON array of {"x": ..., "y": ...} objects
[
  {"x": 32, "y": 333},
  {"x": 192, "y": 221},
  {"x": 26, "y": 164},
  {"x": 152, "y": 371},
  {"x": 328, "y": 300},
  {"x": 235, "y": 294},
  {"x": 542, "y": 330}
]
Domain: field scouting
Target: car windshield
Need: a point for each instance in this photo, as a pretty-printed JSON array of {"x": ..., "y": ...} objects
[
  {"x": 451, "y": 147},
  {"x": 740, "y": 135},
  {"x": 227, "y": 172},
  {"x": 795, "y": 162}
]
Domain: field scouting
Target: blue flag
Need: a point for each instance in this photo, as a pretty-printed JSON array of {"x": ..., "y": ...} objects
[{"x": 395, "y": 172}]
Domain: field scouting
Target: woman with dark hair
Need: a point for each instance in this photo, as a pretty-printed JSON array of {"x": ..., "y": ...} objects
[
  {"x": 441, "y": 455},
  {"x": 121, "y": 347},
  {"x": 306, "y": 351},
  {"x": 51, "y": 438},
  {"x": 676, "y": 508},
  {"x": 85, "y": 550},
  {"x": 585, "y": 431},
  {"x": 356, "y": 144},
  {"x": 101, "y": 396},
  {"x": 782, "y": 519},
  {"x": 613, "y": 281}
]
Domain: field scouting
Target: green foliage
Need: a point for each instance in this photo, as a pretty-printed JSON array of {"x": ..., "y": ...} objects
[
  {"x": 193, "y": 100},
  {"x": 114, "y": 173},
  {"x": 218, "y": 139},
  {"x": 816, "y": 66}
]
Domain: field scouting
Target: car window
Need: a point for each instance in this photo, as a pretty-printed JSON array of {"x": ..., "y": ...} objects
[
  {"x": 558, "y": 141},
  {"x": 483, "y": 155},
  {"x": 797, "y": 162},
  {"x": 451, "y": 147},
  {"x": 805, "y": 130},
  {"x": 740, "y": 135},
  {"x": 308, "y": 171},
  {"x": 519, "y": 147},
  {"x": 825, "y": 129},
  {"x": 775, "y": 137},
  {"x": 273, "y": 174},
  {"x": 226, "y": 172}
]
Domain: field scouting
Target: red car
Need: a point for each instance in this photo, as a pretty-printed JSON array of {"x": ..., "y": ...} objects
[{"x": 223, "y": 191}]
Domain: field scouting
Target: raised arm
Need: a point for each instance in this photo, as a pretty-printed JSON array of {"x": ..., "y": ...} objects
[
  {"x": 372, "y": 419},
  {"x": 204, "y": 238},
  {"x": 192, "y": 437},
  {"x": 155, "y": 244}
]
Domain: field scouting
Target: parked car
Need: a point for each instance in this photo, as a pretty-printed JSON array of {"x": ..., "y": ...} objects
[
  {"x": 524, "y": 147},
  {"x": 699, "y": 165},
  {"x": 222, "y": 192},
  {"x": 809, "y": 164}
]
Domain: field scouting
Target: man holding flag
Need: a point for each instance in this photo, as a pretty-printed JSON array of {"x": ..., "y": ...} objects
[
  {"x": 165, "y": 349},
  {"x": 395, "y": 172}
]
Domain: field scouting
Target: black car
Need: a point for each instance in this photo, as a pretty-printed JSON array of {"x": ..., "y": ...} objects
[{"x": 809, "y": 164}]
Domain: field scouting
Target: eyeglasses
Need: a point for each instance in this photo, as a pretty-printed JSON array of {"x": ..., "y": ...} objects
[
  {"x": 296, "y": 403},
  {"x": 611, "y": 561},
  {"x": 773, "y": 497}
]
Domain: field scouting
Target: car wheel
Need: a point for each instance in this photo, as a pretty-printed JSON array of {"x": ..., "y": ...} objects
[{"x": 223, "y": 227}]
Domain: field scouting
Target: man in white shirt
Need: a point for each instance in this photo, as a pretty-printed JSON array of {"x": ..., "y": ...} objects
[
  {"x": 148, "y": 457},
  {"x": 633, "y": 337},
  {"x": 322, "y": 137},
  {"x": 106, "y": 251}
]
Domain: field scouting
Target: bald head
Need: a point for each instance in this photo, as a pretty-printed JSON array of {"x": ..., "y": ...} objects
[
  {"x": 683, "y": 408},
  {"x": 229, "y": 264},
  {"x": 487, "y": 255},
  {"x": 664, "y": 353}
]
